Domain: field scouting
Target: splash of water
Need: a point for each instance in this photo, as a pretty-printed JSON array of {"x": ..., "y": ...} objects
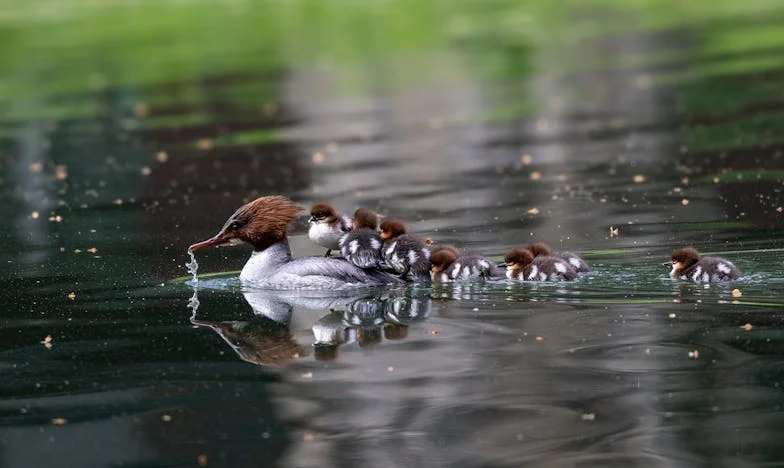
[
  {"x": 193, "y": 266},
  {"x": 193, "y": 303}
]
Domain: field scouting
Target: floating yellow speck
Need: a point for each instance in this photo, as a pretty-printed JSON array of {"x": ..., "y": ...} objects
[
  {"x": 318, "y": 157},
  {"x": 35, "y": 215},
  {"x": 533, "y": 211},
  {"x": 307, "y": 437},
  {"x": 434, "y": 332},
  {"x": 48, "y": 341},
  {"x": 526, "y": 159},
  {"x": 141, "y": 109},
  {"x": 307, "y": 375},
  {"x": 539, "y": 338},
  {"x": 736, "y": 292},
  {"x": 715, "y": 180},
  {"x": 146, "y": 170},
  {"x": 536, "y": 175},
  {"x": 747, "y": 327},
  {"x": 72, "y": 295},
  {"x": 390, "y": 369},
  {"x": 202, "y": 460},
  {"x": 588, "y": 416},
  {"x": 613, "y": 231},
  {"x": 60, "y": 172},
  {"x": 694, "y": 354},
  {"x": 56, "y": 218},
  {"x": 92, "y": 250},
  {"x": 162, "y": 156},
  {"x": 166, "y": 418},
  {"x": 684, "y": 201},
  {"x": 672, "y": 315},
  {"x": 36, "y": 167},
  {"x": 269, "y": 109},
  {"x": 205, "y": 144},
  {"x": 639, "y": 178},
  {"x": 59, "y": 421},
  {"x": 118, "y": 201}
]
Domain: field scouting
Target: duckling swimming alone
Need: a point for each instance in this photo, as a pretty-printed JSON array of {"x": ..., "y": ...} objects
[{"x": 688, "y": 265}]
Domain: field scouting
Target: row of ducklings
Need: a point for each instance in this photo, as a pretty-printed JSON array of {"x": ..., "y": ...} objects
[{"x": 365, "y": 244}]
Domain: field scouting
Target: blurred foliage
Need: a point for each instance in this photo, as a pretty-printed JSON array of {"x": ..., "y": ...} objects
[{"x": 164, "y": 53}]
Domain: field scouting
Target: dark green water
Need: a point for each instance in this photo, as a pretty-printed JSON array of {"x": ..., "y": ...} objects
[{"x": 127, "y": 134}]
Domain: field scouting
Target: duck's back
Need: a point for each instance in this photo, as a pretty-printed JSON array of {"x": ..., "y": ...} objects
[
  {"x": 407, "y": 256},
  {"x": 362, "y": 247},
  {"x": 473, "y": 266},
  {"x": 326, "y": 273},
  {"x": 549, "y": 269},
  {"x": 712, "y": 269},
  {"x": 572, "y": 259}
]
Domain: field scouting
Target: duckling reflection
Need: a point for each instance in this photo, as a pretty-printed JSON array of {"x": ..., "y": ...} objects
[
  {"x": 365, "y": 319},
  {"x": 369, "y": 321}
]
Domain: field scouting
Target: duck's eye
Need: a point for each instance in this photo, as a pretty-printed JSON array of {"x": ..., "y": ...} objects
[{"x": 235, "y": 225}]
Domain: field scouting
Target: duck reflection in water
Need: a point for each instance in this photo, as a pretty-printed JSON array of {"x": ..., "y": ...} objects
[{"x": 364, "y": 319}]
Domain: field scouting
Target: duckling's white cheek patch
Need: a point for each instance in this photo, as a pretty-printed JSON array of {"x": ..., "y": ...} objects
[
  {"x": 353, "y": 246},
  {"x": 534, "y": 272},
  {"x": 574, "y": 262},
  {"x": 509, "y": 273},
  {"x": 560, "y": 267},
  {"x": 232, "y": 242},
  {"x": 723, "y": 267},
  {"x": 375, "y": 244}
]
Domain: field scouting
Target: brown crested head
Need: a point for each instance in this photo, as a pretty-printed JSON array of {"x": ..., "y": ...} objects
[
  {"x": 519, "y": 257},
  {"x": 441, "y": 260},
  {"x": 365, "y": 218},
  {"x": 538, "y": 249},
  {"x": 439, "y": 247},
  {"x": 322, "y": 211},
  {"x": 392, "y": 228},
  {"x": 685, "y": 258},
  {"x": 261, "y": 223},
  {"x": 261, "y": 341}
]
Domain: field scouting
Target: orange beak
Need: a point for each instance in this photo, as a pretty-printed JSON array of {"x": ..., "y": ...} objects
[{"x": 219, "y": 239}]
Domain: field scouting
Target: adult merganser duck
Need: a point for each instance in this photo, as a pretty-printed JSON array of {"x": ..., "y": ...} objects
[
  {"x": 448, "y": 265},
  {"x": 362, "y": 246},
  {"x": 327, "y": 226},
  {"x": 262, "y": 223},
  {"x": 405, "y": 254},
  {"x": 541, "y": 249},
  {"x": 522, "y": 265},
  {"x": 688, "y": 265}
]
